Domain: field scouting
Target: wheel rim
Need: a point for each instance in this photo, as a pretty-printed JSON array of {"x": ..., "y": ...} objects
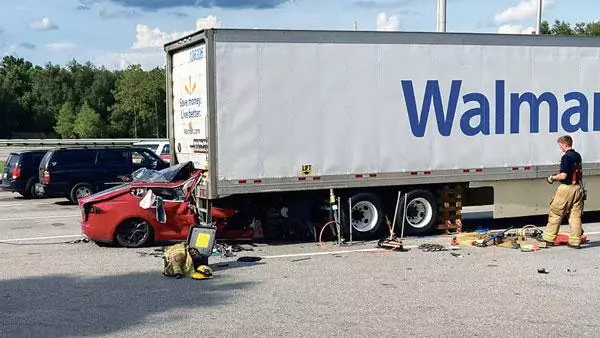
[
  {"x": 134, "y": 232},
  {"x": 364, "y": 216},
  {"x": 83, "y": 192},
  {"x": 419, "y": 213}
]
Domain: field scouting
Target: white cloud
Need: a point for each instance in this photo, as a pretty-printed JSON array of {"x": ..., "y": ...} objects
[
  {"x": 387, "y": 24},
  {"x": 515, "y": 29},
  {"x": 151, "y": 38},
  {"x": 147, "y": 59},
  {"x": 155, "y": 38},
  {"x": 210, "y": 21},
  {"x": 526, "y": 9},
  {"x": 61, "y": 46},
  {"x": 147, "y": 49},
  {"x": 44, "y": 24}
]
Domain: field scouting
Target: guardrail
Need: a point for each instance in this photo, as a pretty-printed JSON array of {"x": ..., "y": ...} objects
[{"x": 75, "y": 142}]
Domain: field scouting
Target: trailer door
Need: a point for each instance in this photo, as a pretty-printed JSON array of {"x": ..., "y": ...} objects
[{"x": 190, "y": 108}]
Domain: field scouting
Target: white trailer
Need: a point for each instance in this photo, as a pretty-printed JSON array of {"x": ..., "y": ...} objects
[{"x": 280, "y": 118}]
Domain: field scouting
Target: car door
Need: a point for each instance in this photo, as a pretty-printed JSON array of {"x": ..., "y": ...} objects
[
  {"x": 116, "y": 164},
  {"x": 179, "y": 217}
]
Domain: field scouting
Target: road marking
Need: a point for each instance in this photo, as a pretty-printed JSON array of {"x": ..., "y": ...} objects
[
  {"x": 40, "y": 217},
  {"x": 38, "y": 238},
  {"x": 333, "y": 252},
  {"x": 21, "y": 204}
]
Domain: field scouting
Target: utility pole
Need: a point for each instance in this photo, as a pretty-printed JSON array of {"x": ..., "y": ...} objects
[
  {"x": 441, "y": 16},
  {"x": 539, "y": 18}
]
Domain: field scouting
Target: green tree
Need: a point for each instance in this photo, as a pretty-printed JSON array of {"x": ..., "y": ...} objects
[
  {"x": 129, "y": 96},
  {"x": 65, "y": 121},
  {"x": 88, "y": 122},
  {"x": 565, "y": 28},
  {"x": 15, "y": 85},
  {"x": 100, "y": 97},
  {"x": 139, "y": 102}
]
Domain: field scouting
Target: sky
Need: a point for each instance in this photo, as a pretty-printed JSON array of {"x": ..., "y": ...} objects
[{"x": 118, "y": 33}]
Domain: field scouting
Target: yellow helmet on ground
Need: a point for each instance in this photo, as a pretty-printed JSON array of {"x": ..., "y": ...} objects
[{"x": 202, "y": 272}]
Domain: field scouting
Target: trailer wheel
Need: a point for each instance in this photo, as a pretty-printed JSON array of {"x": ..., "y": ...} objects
[
  {"x": 367, "y": 214},
  {"x": 421, "y": 212}
]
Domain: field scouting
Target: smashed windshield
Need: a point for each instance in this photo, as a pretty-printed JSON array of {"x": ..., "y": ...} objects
[{"x": 179, "y": 172}]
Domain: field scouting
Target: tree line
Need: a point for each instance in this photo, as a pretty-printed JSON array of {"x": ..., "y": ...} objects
[
  {"x": 80, "y": 101},
  {"x": 86, "y": 101}
]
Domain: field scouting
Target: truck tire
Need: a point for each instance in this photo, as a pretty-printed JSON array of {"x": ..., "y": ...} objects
[
  {"x": 421, "y": 212},
  {"x": 368, "y": 217},
  {"x": 80, "y": 190}
]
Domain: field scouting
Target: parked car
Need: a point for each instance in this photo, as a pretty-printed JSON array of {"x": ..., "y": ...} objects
[
  {"x": 21, "y": 172},
  {"x": 116, "y": 215},
  {"x": 159, "y": 148},
  {"x": 79, "y": 172}
]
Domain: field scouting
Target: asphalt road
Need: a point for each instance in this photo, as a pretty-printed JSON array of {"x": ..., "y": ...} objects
[{"x": 54, "y": 289}]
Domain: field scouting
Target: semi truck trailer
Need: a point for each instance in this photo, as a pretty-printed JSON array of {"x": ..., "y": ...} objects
[{"x": 284, "y": 120}]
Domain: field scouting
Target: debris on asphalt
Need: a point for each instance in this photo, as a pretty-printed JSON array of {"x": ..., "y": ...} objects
[
  {"x": 301, "y": 259},
  {"x": 249, "y": 259},
  {"x": 428, "y": 247},
  {"x": 543, "y": 270},
  {"x": 569, "y": 270},
  {"x": 456, "y": 255}
]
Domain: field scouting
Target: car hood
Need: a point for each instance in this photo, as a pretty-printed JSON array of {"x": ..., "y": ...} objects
[{"x": 180, "y": 174}]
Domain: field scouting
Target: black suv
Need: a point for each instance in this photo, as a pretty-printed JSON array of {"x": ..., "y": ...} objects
[
  {"x": 79, "y": 172},
  {"x": 21, "y": 172}
]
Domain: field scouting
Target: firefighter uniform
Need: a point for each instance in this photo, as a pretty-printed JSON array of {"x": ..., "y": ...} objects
[
  {"x": 180, "y": 260},
  {"x": 568, "y": 198}
]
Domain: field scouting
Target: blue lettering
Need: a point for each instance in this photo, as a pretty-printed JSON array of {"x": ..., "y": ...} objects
[
  {"x": 418, "y": 122},
  {"x": 534, "y": 107},
  {"x": 581, "y": 109},
  {"x": 196, "y": 54},
  {"x": 596, "y": 112},
  {"x": 500, "y": 107},
  {"x": 483, "y": 112},
  {"x": 477, "y": 119}
]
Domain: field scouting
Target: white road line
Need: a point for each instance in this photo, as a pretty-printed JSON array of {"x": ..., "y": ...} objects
[
  {"x": 332, "y": 252},
  {"x": 40, "y": 217},
  {"x": 21, "y": 204},
  {"x": 37, "y": 238}
]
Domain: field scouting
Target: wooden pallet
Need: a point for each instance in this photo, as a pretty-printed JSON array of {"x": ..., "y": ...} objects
[{"x": 450, "y": 208}]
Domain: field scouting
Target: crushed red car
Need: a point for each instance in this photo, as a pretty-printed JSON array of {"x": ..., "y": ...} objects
[{"x": 154, "y": 206}]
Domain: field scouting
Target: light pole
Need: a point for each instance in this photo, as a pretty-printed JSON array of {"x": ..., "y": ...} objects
[
  {"x": 441, "y": 16},
  {"x": 539, "y": 18}
]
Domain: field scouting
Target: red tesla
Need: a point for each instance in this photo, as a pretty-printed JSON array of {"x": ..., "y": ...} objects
[{"x": 118, "y": 215}]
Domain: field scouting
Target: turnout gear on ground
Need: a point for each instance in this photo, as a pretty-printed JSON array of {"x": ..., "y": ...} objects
[
  {"x": 182, "y": 261},
  {"x": 568, "y": 199}
]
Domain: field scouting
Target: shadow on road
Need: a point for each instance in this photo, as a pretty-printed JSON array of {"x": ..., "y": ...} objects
[{"x": 62, "y": 305}]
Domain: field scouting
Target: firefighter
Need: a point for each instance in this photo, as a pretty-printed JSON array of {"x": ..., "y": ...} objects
[
  {"x": 568, "y": 197},
  {"x": 180, "y": 260}
]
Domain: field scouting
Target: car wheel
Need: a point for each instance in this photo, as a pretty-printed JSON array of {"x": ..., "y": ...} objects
[
  {"x": 80, "y": 190},
  {"x": 134, "y": 233},
  {"x": 29, "y": 190}
]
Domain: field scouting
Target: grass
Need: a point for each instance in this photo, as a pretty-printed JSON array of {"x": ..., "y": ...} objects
[{"x": 1, "y": 166}]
